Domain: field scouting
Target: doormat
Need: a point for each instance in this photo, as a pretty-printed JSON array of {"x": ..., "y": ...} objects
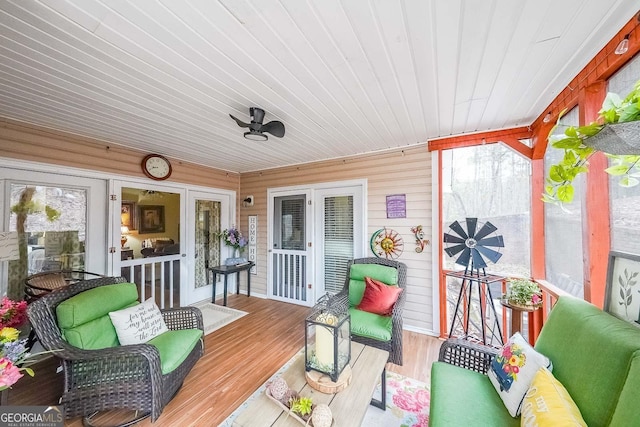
[{"x": 217, "y": 316}]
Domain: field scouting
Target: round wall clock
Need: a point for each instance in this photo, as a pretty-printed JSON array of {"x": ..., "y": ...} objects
[{"x": 156, "y": 167}]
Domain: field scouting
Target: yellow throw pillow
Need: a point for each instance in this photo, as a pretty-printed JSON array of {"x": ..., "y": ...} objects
[{"x": 547, "y": 403}]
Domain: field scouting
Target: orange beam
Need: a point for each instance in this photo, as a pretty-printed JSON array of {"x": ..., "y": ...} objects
[{"x": 490, "y": 137}]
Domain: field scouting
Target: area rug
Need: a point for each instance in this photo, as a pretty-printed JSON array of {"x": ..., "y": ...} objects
[
  {"x": 217, "y": 316},
  {"x": 407, "y": 402}
]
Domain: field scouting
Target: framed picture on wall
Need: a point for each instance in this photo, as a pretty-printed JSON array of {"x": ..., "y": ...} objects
[
  {"x": 151, "y": 219},
  {"x": 128, "y": 214},
  {"x": 622, "y": 293}
]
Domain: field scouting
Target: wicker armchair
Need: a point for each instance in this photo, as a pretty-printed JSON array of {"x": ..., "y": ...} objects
[
  {"x": 394, "y": 346},
  {"x": 124, "y": 377},
  {"x": 42, "y": 283}
]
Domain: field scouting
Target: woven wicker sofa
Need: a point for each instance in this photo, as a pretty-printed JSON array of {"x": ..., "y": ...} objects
[
  {"x": 595, "y": 356},
  {"x": 99, "y": 373}
]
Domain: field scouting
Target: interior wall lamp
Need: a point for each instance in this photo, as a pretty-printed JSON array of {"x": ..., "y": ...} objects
[{"x": 547, "y": 118}]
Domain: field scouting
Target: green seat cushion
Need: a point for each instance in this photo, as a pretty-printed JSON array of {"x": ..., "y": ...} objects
[
  {"x": 370, "y": 325},
  {"x": 592, "y": 353},
  {"x": 627, "y": 411},
  {"x": 357, "y": 273},
  {"x": 460, "y": 397},
  {"x": 175, "y": 346},
  {"x": 84, "y": 318}
]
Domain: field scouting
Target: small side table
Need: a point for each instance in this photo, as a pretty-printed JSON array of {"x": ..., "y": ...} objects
[
  {"x": 229, "y": 269},
  {"x": 516, "y": 315}
]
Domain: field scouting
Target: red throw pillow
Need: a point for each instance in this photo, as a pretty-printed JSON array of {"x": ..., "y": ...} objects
[{"x": 378, "y": 297}]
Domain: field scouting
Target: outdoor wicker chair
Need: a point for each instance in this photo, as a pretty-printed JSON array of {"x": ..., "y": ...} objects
[
  {"x": 119, "y": 377},
  {"x": 39, "y": 284},
  {"x": 394, "y": 345}
]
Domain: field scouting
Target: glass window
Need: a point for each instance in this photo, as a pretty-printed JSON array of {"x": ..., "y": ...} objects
[
  {"x": 338, "y": 240},
  {"x": 490, "y": 183},
  {"x": 51, "y": 224},
  {"x": 624, "y": 201},
  {"x": 563, "y": 226}
]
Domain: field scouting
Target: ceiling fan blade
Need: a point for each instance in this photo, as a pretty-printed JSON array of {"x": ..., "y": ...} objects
[
  {"x": 451, "y": 251},
  {"x": 449, "y": 238},
  {"x": 493, "y": 256},
  {"x": 486, "y": 229},
  {"x": 455, "y": 226},
  {"x": 471, "y": 226},
  {"x": 478, "y": 261},
  {"x": 240, "y": 123},
  {"x": 491, "y": 241},
  {"x": 275, "y": 128},
  {"x": 463, "y": 259}
]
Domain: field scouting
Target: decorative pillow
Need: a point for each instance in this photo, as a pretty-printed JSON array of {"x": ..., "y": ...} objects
[
  {"x": 513, "y": 369},
  {"x": 547, "y": 403},
  {"x": 138, "y": 324},
  {"x": 378, "y": 297}
]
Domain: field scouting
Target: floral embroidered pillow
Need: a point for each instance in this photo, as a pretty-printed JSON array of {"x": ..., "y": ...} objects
[{"x": 512, "y": 370}]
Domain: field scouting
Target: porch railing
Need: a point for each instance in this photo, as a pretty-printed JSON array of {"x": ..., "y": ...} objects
[
  {"x": 156, "y": 277},
  {"x": 535, "y": 320}
]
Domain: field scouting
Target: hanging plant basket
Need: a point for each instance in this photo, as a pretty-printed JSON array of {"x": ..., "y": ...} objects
[{"x": 617, "y": 138}]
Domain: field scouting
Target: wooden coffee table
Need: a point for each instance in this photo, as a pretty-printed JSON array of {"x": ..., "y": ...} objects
[{"x": 348, "y": 406}]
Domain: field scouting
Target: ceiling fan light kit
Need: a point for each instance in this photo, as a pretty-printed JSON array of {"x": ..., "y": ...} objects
[{"x": 257, "y": 129}]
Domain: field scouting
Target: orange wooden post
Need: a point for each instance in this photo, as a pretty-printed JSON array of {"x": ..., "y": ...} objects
[{"x": 596, "y": 216}]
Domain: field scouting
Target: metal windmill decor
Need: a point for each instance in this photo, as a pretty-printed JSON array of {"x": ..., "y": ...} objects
[{"x": 474, "y": 247}]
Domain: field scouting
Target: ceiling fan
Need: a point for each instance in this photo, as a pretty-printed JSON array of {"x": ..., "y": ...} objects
[{"x": 256, "y": 128}]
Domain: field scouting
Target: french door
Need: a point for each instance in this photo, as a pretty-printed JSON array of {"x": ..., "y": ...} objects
[
  {"x": 59, "y": 222},
  {"x": 314, "y": 233},
  {"x": 291, "y": 249},
  {"x": 208, "y": 215}
]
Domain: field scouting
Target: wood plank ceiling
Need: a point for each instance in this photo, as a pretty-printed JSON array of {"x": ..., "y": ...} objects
[{"x": 345, "y": 76}]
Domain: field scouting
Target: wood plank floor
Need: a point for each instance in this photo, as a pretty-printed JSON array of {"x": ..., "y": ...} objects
[{"x": 238, "y": 359}]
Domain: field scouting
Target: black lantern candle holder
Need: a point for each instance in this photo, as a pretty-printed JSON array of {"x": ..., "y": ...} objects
[{"x": 328, "y": 338}]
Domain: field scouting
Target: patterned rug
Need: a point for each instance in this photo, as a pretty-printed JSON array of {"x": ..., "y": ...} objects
[
  {"x": 407, "y": 402},
  {"x": 216, "y": 316}
]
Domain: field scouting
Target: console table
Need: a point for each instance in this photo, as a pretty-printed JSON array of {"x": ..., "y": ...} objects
[{"x": 225, "y": 270}]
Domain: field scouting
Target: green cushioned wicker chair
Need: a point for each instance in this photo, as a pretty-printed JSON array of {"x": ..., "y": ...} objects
[
  {"x": 99, "y": 373},
  {"x": 384, "y": 332}
]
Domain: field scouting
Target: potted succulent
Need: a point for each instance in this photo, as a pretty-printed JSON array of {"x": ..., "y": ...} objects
[
  {"x": 523, "y": 293},
  {"x": 616, "y": 132}
]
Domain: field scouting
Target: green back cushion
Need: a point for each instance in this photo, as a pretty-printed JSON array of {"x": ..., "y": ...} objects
[
  {"x": 358, "y": 272},
  {"x": 627, "y": 411},
  {"x": 84, "y": 318},
  {"x": 592, "y": 353}
]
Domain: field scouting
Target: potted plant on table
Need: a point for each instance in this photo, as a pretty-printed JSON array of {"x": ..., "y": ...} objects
[
  {"x": 523, "y": 293},
  {"x": 616, "y": 132}
]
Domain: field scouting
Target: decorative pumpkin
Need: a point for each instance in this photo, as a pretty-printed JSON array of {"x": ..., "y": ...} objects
[
  {"x": 321, "y": 415},
  {"x": 278, "y": 388}
]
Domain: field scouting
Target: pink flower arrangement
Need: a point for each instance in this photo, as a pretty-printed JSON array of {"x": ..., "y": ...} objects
[
  {"x": 12, "y": 313},
  {"x": 13, "y": 354}
]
